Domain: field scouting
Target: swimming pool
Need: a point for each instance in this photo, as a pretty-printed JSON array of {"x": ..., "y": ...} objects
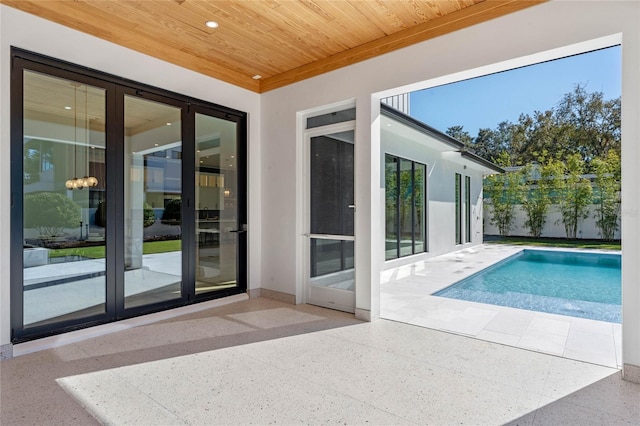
[{"x": 586, "y": 285}]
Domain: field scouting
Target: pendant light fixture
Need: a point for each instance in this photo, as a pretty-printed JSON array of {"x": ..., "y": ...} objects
[
  {"x": 73, "y": 183},
  {"x": 86, "y": 181}
]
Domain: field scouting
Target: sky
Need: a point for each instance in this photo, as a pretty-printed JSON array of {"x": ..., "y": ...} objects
[{"x": 483, "y": 102}]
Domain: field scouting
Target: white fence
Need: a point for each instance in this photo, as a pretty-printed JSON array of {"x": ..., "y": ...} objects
[{"x": 553, "y": 227}]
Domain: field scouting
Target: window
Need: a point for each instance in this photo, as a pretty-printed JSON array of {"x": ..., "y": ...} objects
[
  {"x": 467, "y": 208},
  {"x": 458, "y": 200},
  {"x": 98, "y": 177},
  {"x": 405, "y": 229}
]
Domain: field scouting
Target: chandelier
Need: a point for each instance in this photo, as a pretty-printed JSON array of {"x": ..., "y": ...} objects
[{"x": 86, "y": 181}]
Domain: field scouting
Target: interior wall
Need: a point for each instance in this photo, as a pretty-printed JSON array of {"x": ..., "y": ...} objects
[
  {"x": 28, "y": 32},
  {"x": 539, "y": 33}
]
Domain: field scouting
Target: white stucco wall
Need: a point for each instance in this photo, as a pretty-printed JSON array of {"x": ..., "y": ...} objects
[
  {"x": 553, "y": 227},
  {"x": 40, "y": 36},
  {"x": 542, "y": 32}
]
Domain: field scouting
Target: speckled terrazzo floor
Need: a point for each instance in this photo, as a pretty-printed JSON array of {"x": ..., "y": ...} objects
[{"x": 260, "y": 361}]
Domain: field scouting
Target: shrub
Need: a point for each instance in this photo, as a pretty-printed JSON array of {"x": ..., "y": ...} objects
[
  {"x": 50, "y": 213},
  {"x": 149, "y": 216},
  {"x": 172, "y": 212}
]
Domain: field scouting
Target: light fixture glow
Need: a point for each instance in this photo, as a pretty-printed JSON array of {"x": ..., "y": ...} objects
[
  {"x": 67, "y": 107},
  {"x": 257, "y": 77},
  {"x": 168, "y": 124},
  {"x": 211, "y": 24}
]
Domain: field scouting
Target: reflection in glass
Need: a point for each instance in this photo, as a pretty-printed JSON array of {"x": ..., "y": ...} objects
[
  {"x": 406, "y": 207},
  {"x": 216, "y": 203},
  {"x": 64, "y": 244},
  {"x": 391, "y": 206},
  {"x": 405, "y": 214},
  {"x": 152, "y": 213},
  {"x": 332, "y": 263},
  {"x": 420, "y": 171},
  {"x": 458, "y": 207},
  {"x": 467, "y": 209}
]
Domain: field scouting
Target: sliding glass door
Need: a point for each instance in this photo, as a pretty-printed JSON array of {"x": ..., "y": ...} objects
[
  {"x": 63, "y": 185},
  {"x": 127, "y": 199},
  {"x": 152, "y": 202},
  {"x": 218, "y": 225}
]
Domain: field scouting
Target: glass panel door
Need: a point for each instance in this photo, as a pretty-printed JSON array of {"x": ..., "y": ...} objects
[
  {"x": 217, "y": 194},
  {"x": 63, "y": 188},
  {"x": 152, "y": 202},
  {"x": 331, "y": 216}
]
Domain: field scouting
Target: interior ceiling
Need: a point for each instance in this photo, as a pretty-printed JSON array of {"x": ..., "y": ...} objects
[{"x": 283, "y": 41}]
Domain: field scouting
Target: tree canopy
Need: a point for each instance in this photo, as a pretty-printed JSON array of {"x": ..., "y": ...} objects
[{"x": 583, "y": 123}]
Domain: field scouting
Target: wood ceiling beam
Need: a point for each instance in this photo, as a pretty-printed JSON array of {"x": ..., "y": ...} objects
[{"x": 464, "y": 18}]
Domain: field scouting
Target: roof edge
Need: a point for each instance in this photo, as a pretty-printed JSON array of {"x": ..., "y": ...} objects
[{"x": 418, "y": 125}]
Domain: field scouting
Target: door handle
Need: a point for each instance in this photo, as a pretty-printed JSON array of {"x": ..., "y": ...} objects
[{"x": 352, "y": 206}]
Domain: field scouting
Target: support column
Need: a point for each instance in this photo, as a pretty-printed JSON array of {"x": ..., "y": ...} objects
[
  {"x": 630, "y": 211},
  {"x": 368, "y": 195}
]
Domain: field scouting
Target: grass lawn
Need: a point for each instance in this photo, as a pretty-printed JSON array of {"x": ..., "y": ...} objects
[
  {"x": 97, "y": 252},
  {"x": 555, "y": 242}
]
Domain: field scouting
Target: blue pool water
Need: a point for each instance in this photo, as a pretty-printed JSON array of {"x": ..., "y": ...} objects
[{"x": 586, "y": 285}]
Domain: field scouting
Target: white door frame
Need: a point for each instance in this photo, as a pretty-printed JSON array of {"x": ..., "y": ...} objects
[{"x": 322, "y": 296}]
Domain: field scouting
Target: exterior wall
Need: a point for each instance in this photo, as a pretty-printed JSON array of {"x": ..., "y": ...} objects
[
  {"x": 553, "y": 228},
  {"x": 441, "y": 170},
  {"x": 31, "y": 33},
  {"x": 543, "y": 32}
]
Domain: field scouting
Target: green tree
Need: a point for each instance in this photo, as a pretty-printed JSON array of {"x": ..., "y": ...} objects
[
  {"x": 593, "y": 122},
  {"x": 574, "y": 195},
  {"x": 458, "y": 132},
  {"x": 505, "y": 192},
  {"x": 541, "y": 182},
  {"x": 50, "y": 213},
  {"x": 148, "y": 214},
  {"x": 172, "y": 212},
  {"x": 607, "y": 199}
]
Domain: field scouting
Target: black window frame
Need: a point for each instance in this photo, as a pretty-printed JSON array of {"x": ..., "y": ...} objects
[
  {"x": 458, "y": 208},
  {"x": 467, "y": 208},
  {"x": 412, "y": 202},
  {"x": 115, "y": 86}
]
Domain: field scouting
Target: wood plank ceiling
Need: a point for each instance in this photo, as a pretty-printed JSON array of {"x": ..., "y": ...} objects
[{"x": 283, "y": 41}]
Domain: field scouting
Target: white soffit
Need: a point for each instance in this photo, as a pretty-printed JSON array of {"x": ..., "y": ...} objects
[{"x": 391, "y": 129}]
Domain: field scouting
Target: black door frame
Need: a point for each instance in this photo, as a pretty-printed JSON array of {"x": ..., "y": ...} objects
[{"x": 115, "y": 90}]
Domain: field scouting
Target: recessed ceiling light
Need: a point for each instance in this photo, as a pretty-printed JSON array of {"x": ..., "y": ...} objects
[
  {"x": 233, "y": 156},
  {"x": 211, "y": 24},
  {"x": 257, "y": 77},
  {"x": 155, "y": 144},
  {"x": 168, "y": 124},
  {"x": 67, "y": 107}
]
